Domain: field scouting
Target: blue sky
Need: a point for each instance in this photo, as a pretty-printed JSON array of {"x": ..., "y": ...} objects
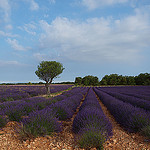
[{"x": 89, "y": 37}]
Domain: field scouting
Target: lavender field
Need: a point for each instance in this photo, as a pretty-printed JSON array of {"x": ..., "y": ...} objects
[
  {"x": 39, "y": 116},
  {"x": 11, "y": 93},
  {"x": 130, "y": 106}
]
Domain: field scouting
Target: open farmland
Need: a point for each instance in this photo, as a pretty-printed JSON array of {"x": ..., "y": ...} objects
[
  {"x": 83, "y": 117},
  {"x": 16, "y": 92}
]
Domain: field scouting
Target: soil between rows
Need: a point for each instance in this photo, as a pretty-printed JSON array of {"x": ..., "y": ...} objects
[{"x": 121, "y": 140}]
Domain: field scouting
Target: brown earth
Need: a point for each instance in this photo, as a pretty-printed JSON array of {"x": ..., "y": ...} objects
[{"x": 121, "y": 140}]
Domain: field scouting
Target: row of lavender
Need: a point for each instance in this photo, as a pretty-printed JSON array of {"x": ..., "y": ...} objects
[
  {"x": 14, "y": 110},
  {"x": 138, "y": 96},
  {"x": 133, "y": 119},
  {"x": 39, "y": 115},
  {"x": 142, "y": 92},
  {"x": 90, "y": 125},
  {"x": 11, "y": 93},
  {"x": 46, "y": 121}
]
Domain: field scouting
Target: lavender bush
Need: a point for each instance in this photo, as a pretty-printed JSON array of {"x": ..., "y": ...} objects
[
  {"x": 11, "y": 93},
  {"x": 40, "y": 123},
  {"x": 3, "y": 121},
  {"x": 90, "y": 125},
  {"x": 90, "y": 138},
  {"x": 132, "y": 100},
  {"x": 67, "y": 107},
  {"x": 133, "y": 119},
  {"x": 16, "y": 110}
]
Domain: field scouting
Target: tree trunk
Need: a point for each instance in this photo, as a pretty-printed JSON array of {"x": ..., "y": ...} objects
[{"x": 47, "y": 85}]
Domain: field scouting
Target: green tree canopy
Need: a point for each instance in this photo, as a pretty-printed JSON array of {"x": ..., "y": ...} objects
[
  {"x": 78, "y": 80},
  {"x": 90, "y": 80},
  {"x": 143, "y": 79},
  {"x": 47, "y": 71}
]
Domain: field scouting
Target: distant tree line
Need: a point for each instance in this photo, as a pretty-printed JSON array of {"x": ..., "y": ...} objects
[
  {"x": 38, "y": 83},
  {"x": 114, "y": 79},
  {"x": 87, "y": 80}
]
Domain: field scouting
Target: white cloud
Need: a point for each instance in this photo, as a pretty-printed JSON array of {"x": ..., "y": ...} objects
[
  {"x": 16, "y": 46},
  {"x": 93, "y": 4},
  {"x": 5, "y": 9},
  {"x": 33, "y": 5},
  {"x": 6, "y": 34},
  {"x": 52, "y": 1},
  {"x": 29, "y": 28},
  {"x": 8, "y": 63},
  {"x": 9, "y": 27},
  {"x": 97, "y": 39},
  {"x": 39, "y": 56}
]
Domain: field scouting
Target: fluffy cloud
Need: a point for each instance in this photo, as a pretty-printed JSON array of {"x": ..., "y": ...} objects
[
  {"x": 5, "y": 9},
  {"x": 97, "y": 39},
  {"x": 39, "y": 56},
  {"x": 10, "y": 63},
  {"x": 8, "y": 27},
  {"x": 29, "y": 28},
  {"x": 16, "y": 46},
  {"x": 93, "y": 4},
  {"x": 33, "y": 5},
  {"x": 52, "y": 1},
  {"x": 6, "y": 34}
]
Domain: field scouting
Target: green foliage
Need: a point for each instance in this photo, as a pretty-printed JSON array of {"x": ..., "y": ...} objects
[
  {"x": 29, "y": 83},
  {"x": 8, "y": 99},
  {"x": 130, "y": 80},
  {"x": 60, "y": 113},
  {"x": 48, "y": 70},
  {"x": 139, "y": 121},
  {"x": 87, "y": 80},
  {"x": 14, "y": 116},
  {"x": 115, "y": 79},
  {"x": 91, "y": 139},
  {"x": 15, "y": 113},
  {"x": 78, "y": 80},
  {"x": 103, "y": 82},
  {"x": 143, "y": 79},
  {"x": 39, "y": 124},
  {"x": 2, "y": 121},
  {"x": 146, "y": 131}
]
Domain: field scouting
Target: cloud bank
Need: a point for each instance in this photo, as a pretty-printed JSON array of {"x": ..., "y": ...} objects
[
  {"x": 16, "y": 46},
  {"x": 5, "y": 10},
  {"x": 97, "y": 39},
  {"x": 93, "y": 4}
]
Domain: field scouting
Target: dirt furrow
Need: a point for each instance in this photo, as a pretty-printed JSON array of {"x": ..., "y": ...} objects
[{"x": 121, "y": 140}]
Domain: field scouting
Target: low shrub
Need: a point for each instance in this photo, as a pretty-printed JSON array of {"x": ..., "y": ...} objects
[
  {"x": 62, "y": 111},
  {"x": 15, "y": 113},
  {"x": 145, "y": 131},
  {"x": 91, "y": 139},
  {"x": 3, "y": 121},
  {"x": 138, "y": 120},
  {"x": 40, "y": 123}
]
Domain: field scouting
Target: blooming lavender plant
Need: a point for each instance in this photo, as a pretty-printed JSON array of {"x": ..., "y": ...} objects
[
  {"x": 11, "y": 93},
  {"x": 3, "y": 121},
  {"x": 40, "y": 123},
  {"x": 66, "y": 108},
  {"x": 132, "y": 100},
  {"x": 91, "y": 126},
  {"x": 133, "y": 119},
  {"x": 91, "y": 138}
]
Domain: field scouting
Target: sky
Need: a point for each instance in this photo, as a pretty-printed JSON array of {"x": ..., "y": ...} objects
[{"x": 89, "y": 37}]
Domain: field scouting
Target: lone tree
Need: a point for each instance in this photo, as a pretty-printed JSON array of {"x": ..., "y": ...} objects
[{"x": 47, "y": 71}]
